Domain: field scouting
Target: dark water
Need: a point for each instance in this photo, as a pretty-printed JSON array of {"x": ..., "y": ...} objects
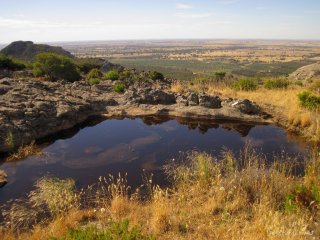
[{"x": 130, "y": 145}]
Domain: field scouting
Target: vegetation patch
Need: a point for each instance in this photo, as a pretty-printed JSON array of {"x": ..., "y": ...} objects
[
  {"x": 112, "y": 75},
  {"x": 309, "y": 100},
  {"x": 276, "y": 83},
  {"x": 154, "y": 75},
  {"x": 245, "y": 84},
  {"x": 55, "y": 67},
  {"x": 9, "y": 64},
  {"x": 116, "y": 230},
  {"x": 119, "y": 87}
]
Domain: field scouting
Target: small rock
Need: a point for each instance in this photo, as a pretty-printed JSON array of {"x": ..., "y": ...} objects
[{"x": 246, "y": 106}]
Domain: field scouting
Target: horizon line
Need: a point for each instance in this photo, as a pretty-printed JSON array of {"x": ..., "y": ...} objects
[{"x": 168, "y": 39}]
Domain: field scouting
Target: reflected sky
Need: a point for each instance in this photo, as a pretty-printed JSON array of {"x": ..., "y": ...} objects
[{"x": 130, "y": 145}]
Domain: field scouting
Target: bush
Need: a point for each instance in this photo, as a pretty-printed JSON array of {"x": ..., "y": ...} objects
[
  {"x": 119, "y": 87},
  {"x": 309, "y": 100},
  {"x": 94, "y": 73},
  {"x": 112, "y": 75},
  {"x": 54, "y": 67},
  {"x": 245, "y": 84},
  {"x": 117, "y": 230},
  {"x": 8, "y": 63},
  {"x": 220, "y": 75},
  {"x": 276, "y": 83},
  {"x": 315, "y": 87},
  {"x": 154, "y": 75},
  {"x": 93, "y": 81},
  {"x": 87, "y": 64}
]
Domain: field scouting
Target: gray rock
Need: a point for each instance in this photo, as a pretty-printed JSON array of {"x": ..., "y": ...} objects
[
  {"x": 152, "y": 96},
  {"x": 31, "y": 109},
  {"x": 246, "y": 106},
  {"x": 3, "y": 178},
  {"x": 193, "y": 99},
  {"x": 209, "y": 101},
  {"x": 182, "y": 100}
]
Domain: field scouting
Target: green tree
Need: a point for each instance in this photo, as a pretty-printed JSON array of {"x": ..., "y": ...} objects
[{"x": 54, "y": 67}]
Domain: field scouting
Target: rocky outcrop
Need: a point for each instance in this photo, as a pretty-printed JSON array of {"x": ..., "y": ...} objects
[
  {"x": 246, "y": 106},
  {"x": 31, "y": 109},
  {"x": 3, "y": 178},
  {"x": 27, "y": 50},
  {"x": 201, "y": 99},
  {"x": 306, "y": 73},
  {"x": 152, "y": 96}
]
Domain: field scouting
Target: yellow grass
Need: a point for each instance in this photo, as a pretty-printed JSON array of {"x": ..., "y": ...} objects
[
  {"x": 209, "y": 199},
  {"x": 282, "y": 104}
]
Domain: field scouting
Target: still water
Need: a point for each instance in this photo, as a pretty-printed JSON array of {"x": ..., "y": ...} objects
[{"x": 99, "y": 148}]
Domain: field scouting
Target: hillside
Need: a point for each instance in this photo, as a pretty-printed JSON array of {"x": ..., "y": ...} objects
[
  {"x": 27, "y": 50},
  {"x": 306, "y": 73}
]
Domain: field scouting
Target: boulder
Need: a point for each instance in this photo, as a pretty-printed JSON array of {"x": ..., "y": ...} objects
[
  {"x": 152, "y": 96},
  {"x": 182, "y": 100},
  {"x": 193, "y": 99},
  {"x": 3, "y": 178},
  {"x": 209, "y": 101},
  {"x": 246, "y": 106}
]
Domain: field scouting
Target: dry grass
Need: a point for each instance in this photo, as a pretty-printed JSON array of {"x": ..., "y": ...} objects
[
  {"x": 282, "y": 104},
  {"x": 210, "y": 198},
  {"x": 25, "y": 151}
]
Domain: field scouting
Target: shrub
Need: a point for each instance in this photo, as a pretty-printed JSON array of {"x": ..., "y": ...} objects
[
  {"x": 276, "y": 83},
  {"x": 93, "y": 81},
  {"x": 117, "y": 230},
  {"x": 220, "y": 75},
  {"x": 154, "y": 75},
  {"x": 245, "y": 84},
  {"x": 87, "y": 64},
  {"x": 94, "y": 73},
  {"x": 112, "y": 75},
  {"x": 119, "y": 87},
  {"x": 309, "y": 100},
  {"x": 54, "y": 67},
  {"x": 8, "y": 63},
  {"x": 126, "y": 74},
  {"x": 315, "y": 87}
]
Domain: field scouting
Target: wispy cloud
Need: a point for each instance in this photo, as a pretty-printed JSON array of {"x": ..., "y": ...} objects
[
  {"x": 183, "y": 6},
  {"x": 193, "y": 15},
  {"x": 228, "y": 1}
]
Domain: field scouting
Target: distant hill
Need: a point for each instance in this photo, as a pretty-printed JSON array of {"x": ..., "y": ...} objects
[
  {"x": 27, "y": 50},
  {"x": 306, "y": 73}
]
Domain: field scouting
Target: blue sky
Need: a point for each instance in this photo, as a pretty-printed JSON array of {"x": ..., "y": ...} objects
[{"x": 80, "y": 20}]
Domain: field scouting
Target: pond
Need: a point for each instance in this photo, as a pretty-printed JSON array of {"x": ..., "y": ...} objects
[{"x": 101, "y": 147}]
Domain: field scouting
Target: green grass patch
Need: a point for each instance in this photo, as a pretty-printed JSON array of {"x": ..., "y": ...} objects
[
  {"x": 245, "y": 84},
  {"x": 276, "y": 83},
  {"x": 117, "y": 230},
  {"x": 93, "y": 81},
  {"x": 119, "y": 87},
  {"x": 112, "y": 75},
  {"x": 309, "y": 100}
]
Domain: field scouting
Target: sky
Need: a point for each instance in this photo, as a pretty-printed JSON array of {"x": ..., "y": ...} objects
[{"x": 84, "y": 20}]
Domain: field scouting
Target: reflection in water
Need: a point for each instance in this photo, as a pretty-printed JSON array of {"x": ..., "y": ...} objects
[{"x": 101, "y": 146}]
